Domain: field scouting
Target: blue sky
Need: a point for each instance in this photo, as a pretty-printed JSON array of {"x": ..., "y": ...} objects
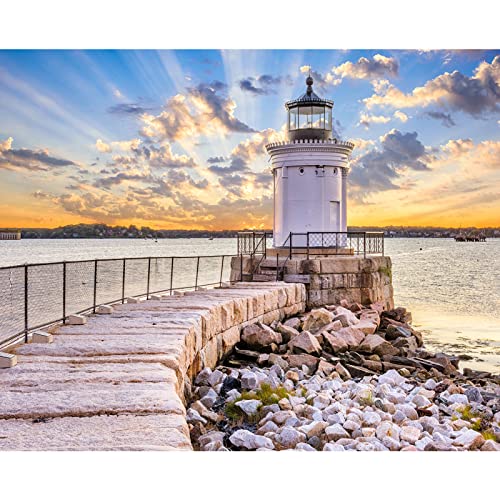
[{"x": 101, "y": 136}]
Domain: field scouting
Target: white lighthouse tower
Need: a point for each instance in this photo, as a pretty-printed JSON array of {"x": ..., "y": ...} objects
[{"x": 310, "y": 174}]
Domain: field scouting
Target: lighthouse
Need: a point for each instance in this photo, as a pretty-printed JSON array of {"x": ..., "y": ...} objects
[{"x": 309, "y": 174}]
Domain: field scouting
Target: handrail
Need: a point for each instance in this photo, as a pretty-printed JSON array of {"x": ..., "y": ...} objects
[{"x": 77, "y": 285}]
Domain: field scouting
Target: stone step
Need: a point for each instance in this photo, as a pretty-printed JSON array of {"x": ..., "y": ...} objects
[{"x": 264, "y": 277}]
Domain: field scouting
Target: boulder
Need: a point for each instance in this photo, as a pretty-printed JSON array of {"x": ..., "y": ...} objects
[
  {"x": 249, "y": 406},
  {"x": 470, "y": 439},
  {"x": 349, "y": 316},
  {"x": 410, "y": 434},
  {"x": 276, "y": 360},
  {"x": 375, "y": 344},
  {"x": 246, "y": 439},
  {"x": 490, "y": 445},
  {"x": 297, "y": 360},
  {"x": 305, "y": 342},
  {"x": 325, "y": 369},
  {"x": 287, "y": 332},
  {"x": 350, "y": 335},
  {"x": 391, "y": 377},
  {"x": 293, "y": 323},
  {"x": 335, "y": 432},
  {"x": 289, "y": 437},
  {"x": 315, "y": 428},
  {"x": 367, "y": 326},
  {"x": 316, "y": 319},
  {"x": 258, "y": 336},
  {"x": 333, "y": 343}
]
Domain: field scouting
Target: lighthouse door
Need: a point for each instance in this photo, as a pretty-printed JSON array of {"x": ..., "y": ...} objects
[{"x": 334, "y": 216}]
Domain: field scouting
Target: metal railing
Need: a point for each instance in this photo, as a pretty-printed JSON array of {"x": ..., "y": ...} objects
[{"x": 33, "y": 296}]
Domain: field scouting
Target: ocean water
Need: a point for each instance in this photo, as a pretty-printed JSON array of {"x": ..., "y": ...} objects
[{"x": 452, "y": 289}]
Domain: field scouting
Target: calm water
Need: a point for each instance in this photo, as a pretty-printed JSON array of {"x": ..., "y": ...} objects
[{"x": 452, "y": 289}]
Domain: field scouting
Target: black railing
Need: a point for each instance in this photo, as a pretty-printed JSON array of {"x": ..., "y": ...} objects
[{"x": 33, "y": 296}]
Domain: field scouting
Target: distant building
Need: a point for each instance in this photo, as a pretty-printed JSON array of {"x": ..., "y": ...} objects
[{"x": 10, "y": 234}]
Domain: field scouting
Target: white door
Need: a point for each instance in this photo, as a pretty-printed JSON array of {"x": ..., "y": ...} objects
[{"x": 334, "y": 216}]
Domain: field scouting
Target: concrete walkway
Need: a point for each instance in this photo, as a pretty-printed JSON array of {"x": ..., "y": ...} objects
[{"x": 119, "y": 382}]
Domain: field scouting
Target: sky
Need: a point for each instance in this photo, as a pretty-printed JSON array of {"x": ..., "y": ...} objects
[{"x": 175, "y": 139}]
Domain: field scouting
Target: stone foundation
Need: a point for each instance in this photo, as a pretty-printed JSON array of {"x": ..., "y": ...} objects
[{"x": 329, "y": 279}]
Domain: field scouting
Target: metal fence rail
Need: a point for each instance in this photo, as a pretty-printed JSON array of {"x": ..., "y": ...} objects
[{"x": 36, "y": 295}]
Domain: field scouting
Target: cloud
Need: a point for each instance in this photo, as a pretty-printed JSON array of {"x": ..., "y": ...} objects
[
  {"x": 263, "y": 84},
  {"x": 29, "y": 159},
  {"x": 128, "y": 108},
  {"x": 445, "y": 118},
  {"x": 364, "y": 68},
  {"x": 366, "y": 119},
  {"x": 380, "y": 168},
  {"x": 474, "y": 95},
  {"x": 204, "y": 110},
  {"x": 216, "y": 159},
  {"x": 130, "y": 145}
]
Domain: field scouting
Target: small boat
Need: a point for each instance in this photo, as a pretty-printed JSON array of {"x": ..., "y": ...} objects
[{"x": 211, "y": 238}]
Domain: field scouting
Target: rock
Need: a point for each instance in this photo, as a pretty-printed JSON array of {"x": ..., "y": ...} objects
[
  {"x": 490, "y": 445},
  {"x": 193, "y": 416},
  {"x": 395, "y": 332},
  {"x": 202, "y": 377},
  {"x": 292, "y": 375},
  {"x": 280, "y": 417},
  {"x": 287, "y": 332},
  {"x": 263, "y": 359},
  {"x": 315, "y": 428},
  {"x": 285, "y": 404},
  {"x": 391, "y": 443},
  {"x": 277, "y": 360},
  {"x": 249, "y": 406},
  {"x": 289, "y": 437},
  {"x": 391, "y": 377},
  {"x": 377, "y": 345},
  {"x": 421, "y": 402},
  {"x": 321, "y": 401},
  {"x": 304, "y": 447},
  {"x": 249, "y": 380},
  {"x": 387, "y": 429},
  {"x": 232, "y": 395},
  {"x": 305, "y": 342},
  {"x": 359, "y": 371},
  {"x": 297, "y": 360},
  {"x": 246, "y": 439},
  {"x": 316, "y": 319},
  {"x": 334, "y": 344},
  {"x": 371, "y": 419},
  {"x": 351, "y": 426},
  {"x": 402, "y": 343},
  {"x": 350, "y": 335},
  {"x": 293, "y": 323},
  {"x": 473, "y": 394},
  {"x": 331, "y": 327},
  {"x": 349, "y": 315},
  {"x": 216, "y": 378},
  {"x": 458, "y": 398},
  {"x": 258, "y": 336},
  {"x": 230, "y": 383},
  {"x": 209, "y": 398},
  {"x": 409, "y": 434},
  {"x": 333, "y": 447},
  {"x": 430, "y": 384},
  {"x": 469, "y": 439},
  {"x": 336, "y": 431},
  {"x": 325, "y": 369},
  {"x": 205, "y": 412},
  {"x": 367, "y": 327},
  {"x": 342, "y": 371},
  {"x": 211, "y": 438},
  {"x": 408, "y": 411},
  {"x": 269, "y": 426}
]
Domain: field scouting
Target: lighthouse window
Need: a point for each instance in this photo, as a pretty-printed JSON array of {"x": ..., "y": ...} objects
[
  {"x": 301, "y": 171},
  {"x": 292, "y": 116},
  {"x": 334, "y": 171},
  {"x": 328, "y": 118}
]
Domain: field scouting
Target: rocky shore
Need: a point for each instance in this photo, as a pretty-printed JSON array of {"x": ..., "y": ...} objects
[{"x": 341, "y": 378}]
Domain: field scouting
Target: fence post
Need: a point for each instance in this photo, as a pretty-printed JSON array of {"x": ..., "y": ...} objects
[
  {"x": 307, "y": 245},
  {"x": 64, "y": 292},
  {"x": 383, "y": 243},
  {"x": 171, "y": 275},
  {"x": 95, "y": 286},
  {"x": 26, "y": 303},
  {"x": 221, "y": 270},
  {"x": 364, "y": 245},
  {"x": 149, "y": 278},
  {"x": 277, "y": 266},
  {"x": 241, "y": 267},
  {"x": 123, "y": 281},
  {"x": 197, "y": 269}
]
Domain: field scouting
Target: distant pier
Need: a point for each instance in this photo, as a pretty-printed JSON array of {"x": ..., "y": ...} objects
[{"x": 10, "y": 234}]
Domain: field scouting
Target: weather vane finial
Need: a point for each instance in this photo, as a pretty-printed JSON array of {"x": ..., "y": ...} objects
[{"x": 309, "y": 82}]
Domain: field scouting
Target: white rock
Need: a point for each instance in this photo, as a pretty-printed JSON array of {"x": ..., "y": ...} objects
[
  {"x": 203, "y": 376},
  {"x": 410, "y": 434},
  {"x": 423, "y": 442},
  {"x": 304, "y": 447},
  {"x": 289, "y": 437},
  {"x": 333, "y": 447},
  {"x": 371, "y": 419},
  {"x": 365, "y": 447},
  {"x": 249, "y": 381},
  {"x": 351, "y": 426},
  {"x": 193, "y": 416},
  {"x": 321, "y": 401},
  {"x": 470, "y": 439},
  {"x": 209, "y": 398},
  {"x": 336, "y": 431},
  {"x": 313, "y": 429},
  {"x": 421, "y": 402},
  {"x": 249, "y": 406},
  {"x": 232, "y": 395},
  {"x": 388, "y": 429},
  {"x": 490, "y": 445},
  {"x": 391, "y": 443},
  {"x": 368, "y": 432},
  {"x": 246, "y": 439},
  {"x": 268, "y": 427},
  {"x": 216, "y": 378},
  {"x": 408, "y": 410},
  {"x": 461, "y": 399},
  {"x": 391, "y": 377},
  {"x": 430, "y": 384}
]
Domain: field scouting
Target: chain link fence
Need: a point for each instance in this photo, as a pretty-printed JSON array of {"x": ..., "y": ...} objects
[{"x": 37, "y": 295}]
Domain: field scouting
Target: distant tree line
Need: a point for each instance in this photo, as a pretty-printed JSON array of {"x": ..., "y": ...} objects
[{"x": 105, "y": 231}]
